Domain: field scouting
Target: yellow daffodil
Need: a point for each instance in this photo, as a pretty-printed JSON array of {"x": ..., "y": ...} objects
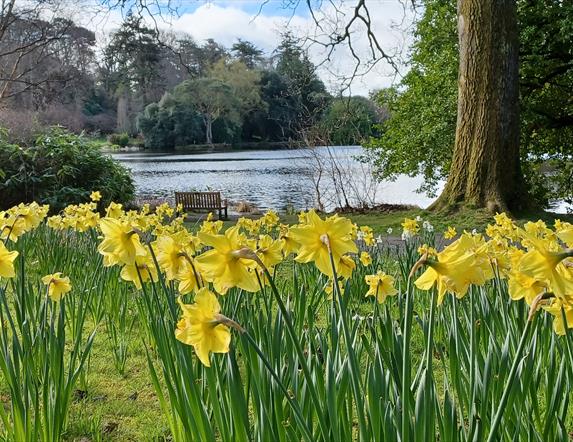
[
  {"x": 365, "y": 259},
  {"x": 521, "y": 286},
  {"x": 189, "y": 277},
  {"x": 201, "y": 326},
  {"x": 543, "y": 263},
  {"x": 564, "y": 232},
  {"x": 270, "y": 218},
  {"x": 269, "y": 251},
  {"x": 318, "y": 235},
  {"x": 12, "y": 229},
  {"x": 114, "y": 210},
  {"x": 453, "y": 270},
  {"x": 223, "y": 265},
  {"x": 58, "y": 286},
  {"x": 367, "y": 235},
  {"x": 31, "y": 215},
  {"x": 329, "y": 288},
  {"x": 450, "y": 233},
  {"x": 556, "y": 309},
  {"x": 120, "y": 242},
  {"x": 95, "y": 196},
  {"x": 142, "y": 269},
  {"x": 211, "y": 227},
  {"x": 7, "y": 262},
  {"x": 380, "y": 285},
  {"x": 170, "y": 256},
  {"x": 410, "y": 228},
  {"x": 289, "y": 245},
  {"x": 427, "y": 250},
  {"x": 537, "y": 229},
  {"x": 345, "y": 267}
]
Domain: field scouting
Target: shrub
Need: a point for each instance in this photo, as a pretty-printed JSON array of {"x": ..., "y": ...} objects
[
  {"x": 60, "y": 168},
  {"x": 121, "y": 140}
]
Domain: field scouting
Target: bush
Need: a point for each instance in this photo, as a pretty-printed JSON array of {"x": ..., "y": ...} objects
[
  {"x": 121, "y": 140},
  {"x": 60, "y": 168}
]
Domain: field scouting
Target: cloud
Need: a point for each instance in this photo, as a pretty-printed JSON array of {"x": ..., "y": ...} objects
[{"x": 227, "y": 21}]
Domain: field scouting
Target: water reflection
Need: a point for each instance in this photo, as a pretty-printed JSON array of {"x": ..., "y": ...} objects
[{"x": 266, "y": 178}]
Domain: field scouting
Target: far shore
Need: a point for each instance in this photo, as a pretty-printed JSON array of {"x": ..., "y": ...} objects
[{"x": 215, "y": 147}]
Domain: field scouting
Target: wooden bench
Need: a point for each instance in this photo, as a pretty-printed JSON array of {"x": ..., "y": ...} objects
[{"x": 191, "y": 201}]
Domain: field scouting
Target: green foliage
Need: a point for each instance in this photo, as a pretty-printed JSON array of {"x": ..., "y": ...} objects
[
  {"x": 169, "y": 123},
  {"x": 121, "y": 139},
  {"x": 59, "y": 169},
  {"x": 304, "y": 85},
  {"x": 418, "y": 137},
  {"x": 235, "y": 100},
  {"x": 350, "y": 121}
]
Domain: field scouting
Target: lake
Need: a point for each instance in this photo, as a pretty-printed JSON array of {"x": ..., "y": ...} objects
[
  {"x": 272, "y": 179},
  {"x": 269, "y": 179}
]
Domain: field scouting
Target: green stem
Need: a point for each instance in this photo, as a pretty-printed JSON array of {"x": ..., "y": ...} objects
[
  {"x": 405, "y": 394},
  {"x": 471, "y": 390},
  {"x": 356, "y": 387},
  {"x": 505, "y": 396},
  {"x": 567, "y": 336},
  {"x": 299, "y": 351},
  {"x": 293, "y": 404},
  {"x": 430, "y": 343}
]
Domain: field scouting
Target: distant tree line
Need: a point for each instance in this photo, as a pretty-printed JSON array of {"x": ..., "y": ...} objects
[{"x": 166, "y": 86}]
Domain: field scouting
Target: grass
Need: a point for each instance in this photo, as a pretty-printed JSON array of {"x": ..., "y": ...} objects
[
  {"x": 465, "y": 219},
  {"x": 117, "y": 407}
]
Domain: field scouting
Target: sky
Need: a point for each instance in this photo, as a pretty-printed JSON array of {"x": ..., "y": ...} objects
[{"x": 263, "y": 21}]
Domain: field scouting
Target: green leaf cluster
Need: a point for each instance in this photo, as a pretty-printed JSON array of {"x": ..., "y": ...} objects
[{"x": 58, "y": 169}]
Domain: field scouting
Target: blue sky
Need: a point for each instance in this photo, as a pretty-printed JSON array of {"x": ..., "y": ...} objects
[{"x": 270, "y": 7}]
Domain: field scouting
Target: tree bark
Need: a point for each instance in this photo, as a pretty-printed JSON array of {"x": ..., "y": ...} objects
[
  {"x": 485, "y": 169},
  {"x": 208, "y": 129},
  {"x": 123, "y": 120}
]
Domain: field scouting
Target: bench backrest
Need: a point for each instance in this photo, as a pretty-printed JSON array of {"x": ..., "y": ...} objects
[{"x": 198, "y": 200}]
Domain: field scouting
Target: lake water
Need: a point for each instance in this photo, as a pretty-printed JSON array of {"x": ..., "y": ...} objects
[
  {"x": 272, "y": 179},
  {"x": 269, "y": 179}
]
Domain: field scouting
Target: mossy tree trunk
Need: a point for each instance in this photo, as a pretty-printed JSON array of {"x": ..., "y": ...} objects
[{"x": 485, "y": 170}]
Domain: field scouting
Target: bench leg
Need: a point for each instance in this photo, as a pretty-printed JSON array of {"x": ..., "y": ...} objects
[{"x": 225, "y": 213}]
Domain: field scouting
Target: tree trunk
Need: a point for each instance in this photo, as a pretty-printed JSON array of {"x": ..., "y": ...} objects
[
  {"x": 208, "y": 130},
  {"x": 123, "y": 122},
  {"x": 485, "y": 170}
]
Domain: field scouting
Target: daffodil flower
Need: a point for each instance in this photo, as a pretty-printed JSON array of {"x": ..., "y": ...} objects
[
  {"x": 58, "y": 286},
  {"x": 380, "y": 285},
  {"x": 203, "y": 327}
]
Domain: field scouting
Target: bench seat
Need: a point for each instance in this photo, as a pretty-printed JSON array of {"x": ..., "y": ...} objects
[{"x": 200, "y": 201}]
